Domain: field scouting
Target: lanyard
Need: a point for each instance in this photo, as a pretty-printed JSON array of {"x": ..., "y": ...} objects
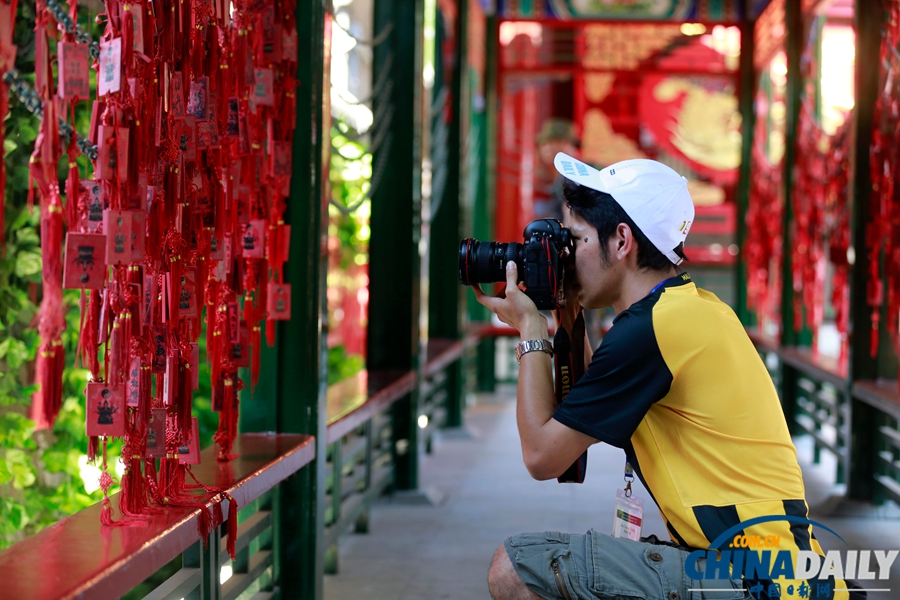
[
  {"x": 629, "y": 477},
  {"x": 662, "y": 283}
]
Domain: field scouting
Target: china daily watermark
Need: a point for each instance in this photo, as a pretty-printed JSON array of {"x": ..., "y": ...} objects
[{"x": 761, "y": 561}]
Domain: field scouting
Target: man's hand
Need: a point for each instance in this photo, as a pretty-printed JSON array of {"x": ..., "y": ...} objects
[
  {"x": 548, "y": 446},
  {"x": 515, "y": 308}
]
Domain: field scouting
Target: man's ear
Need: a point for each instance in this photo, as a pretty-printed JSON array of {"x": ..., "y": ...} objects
[{"x": 624, "y": 241}]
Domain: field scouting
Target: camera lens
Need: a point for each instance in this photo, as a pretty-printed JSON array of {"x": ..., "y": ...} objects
[{"x": 485, "y": 262}]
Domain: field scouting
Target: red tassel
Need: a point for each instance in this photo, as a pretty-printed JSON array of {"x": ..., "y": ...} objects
[
  {"x": 93, "y": 449},
  {"x": 232, "y": 511},
  {"x": 150, "y": 479},
  {"x": 232, "y": 524},
  {"x": 89, "y": 331},
  {"x": 106, "y": 481},
  {"x": 270, "y": 333},
  {"x": 255, "y": 339},
  {"x": 47, "y": 401},
  {"x": 228, "y": 420},
  {"x": 185, "y": 394},
  {"x": 51, "y": 318},
  {"x": 73, "y": 191},
  {"x": 115, "y": 353},
  {"x": 134, "y": 499},
  {"x": 251, "y": 315}
]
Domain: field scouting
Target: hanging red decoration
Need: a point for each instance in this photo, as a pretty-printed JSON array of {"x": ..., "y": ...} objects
[
  {"x": 42, "y": 173},
  {"x": 763, "y": 247},
  {"x": 820, "y": 227},
  {"x": 181, "y": 226},
  {"x": 883, "y": 229},
  {"x": 7, "y": 62}
]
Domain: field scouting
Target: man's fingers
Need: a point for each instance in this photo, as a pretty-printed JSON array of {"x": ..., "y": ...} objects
[
  {"x": 483, "y": 299},
  {"x": 511, "y": 277}
]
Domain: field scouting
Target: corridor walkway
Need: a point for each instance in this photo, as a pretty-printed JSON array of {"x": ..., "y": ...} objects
[{"x": 430, "y": 552}]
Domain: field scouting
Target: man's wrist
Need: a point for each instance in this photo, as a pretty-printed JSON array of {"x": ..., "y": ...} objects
[{"x": 534, "y": 329}]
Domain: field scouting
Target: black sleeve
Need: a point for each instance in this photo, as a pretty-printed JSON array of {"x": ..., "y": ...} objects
[{"x": 626, "y": 376}]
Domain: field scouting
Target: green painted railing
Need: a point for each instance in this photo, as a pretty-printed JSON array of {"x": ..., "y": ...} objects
[
  {"x": 881, "y": 400},
  {"x": 362, "y": 439},
  {"x": 858, "y": 422},
  {"x": 360, "y": 459}
]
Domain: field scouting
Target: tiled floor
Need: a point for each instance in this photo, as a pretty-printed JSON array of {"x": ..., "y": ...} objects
[{"x": 416, "y": 552}]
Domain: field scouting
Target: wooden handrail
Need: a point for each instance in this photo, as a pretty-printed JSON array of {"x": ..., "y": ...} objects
[
  {"x": 491, "y": 330},
  {"x": 441, "y": 353},
  {"x": 881, "y": 394},
  {"x": 362, "y": 396},
  {"x": 819, "y": 367},
  {"x": 357, "y": 399},
  {"x": 79, "y": 558},
  {"x": 761, "y": 341}
]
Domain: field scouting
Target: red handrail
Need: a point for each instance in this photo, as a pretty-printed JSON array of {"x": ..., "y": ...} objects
[{"x": 77, "y": 557}]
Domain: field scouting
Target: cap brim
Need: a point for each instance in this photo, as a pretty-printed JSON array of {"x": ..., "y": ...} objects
[{"x": 579, "y": 172}]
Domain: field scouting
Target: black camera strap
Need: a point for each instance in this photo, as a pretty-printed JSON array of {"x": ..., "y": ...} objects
[{"x": 568, "y": 361}]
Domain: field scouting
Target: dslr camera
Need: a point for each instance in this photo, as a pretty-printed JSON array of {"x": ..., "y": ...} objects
[{"x": 538, "y": 259}]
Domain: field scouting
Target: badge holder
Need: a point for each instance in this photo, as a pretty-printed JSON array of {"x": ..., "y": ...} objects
[{"x": 629, "y": 510}]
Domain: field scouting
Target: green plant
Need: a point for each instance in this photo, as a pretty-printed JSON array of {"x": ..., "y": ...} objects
[
  {"x": 40, "y": 471},
  {"x": 342, "y": 365},
  {"x": 348, "y": 237}
]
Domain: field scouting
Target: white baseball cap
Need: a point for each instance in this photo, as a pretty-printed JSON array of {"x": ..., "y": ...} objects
[{"x": 653, "y": 195}]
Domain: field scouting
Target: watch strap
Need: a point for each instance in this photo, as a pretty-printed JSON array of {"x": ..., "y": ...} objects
[{"x": 526, "y": 346}]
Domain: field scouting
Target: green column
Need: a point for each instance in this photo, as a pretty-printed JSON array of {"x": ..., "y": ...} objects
[
  {"x": 394, "y": 260},
  {"x": 298, "y": 374},
  {"x": 794, "y": 49},
  {"x": 445, "y": 293},
  {"x": 483, "y": 211},
  {"x": 747, "y": 92},
  {"x": 869, "y": 20}
]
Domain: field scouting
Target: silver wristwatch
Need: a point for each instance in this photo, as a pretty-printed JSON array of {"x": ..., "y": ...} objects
[{"x": 532, "y": 345}]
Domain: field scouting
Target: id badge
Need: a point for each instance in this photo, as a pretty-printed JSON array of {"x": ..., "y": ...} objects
[{"x": 629, "y": 516}]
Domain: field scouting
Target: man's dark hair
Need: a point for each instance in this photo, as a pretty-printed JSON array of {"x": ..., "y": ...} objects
[{"x": 601, "y": 211}]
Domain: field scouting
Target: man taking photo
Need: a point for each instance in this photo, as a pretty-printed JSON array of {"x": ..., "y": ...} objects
[{"x": 677, "y": 384}]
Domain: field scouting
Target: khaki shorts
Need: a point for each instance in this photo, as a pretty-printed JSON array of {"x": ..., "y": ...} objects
[{"x": 594, "y": 565}]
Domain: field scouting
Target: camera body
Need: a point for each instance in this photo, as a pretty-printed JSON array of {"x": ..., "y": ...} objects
[{"x": 538, "y": 259}]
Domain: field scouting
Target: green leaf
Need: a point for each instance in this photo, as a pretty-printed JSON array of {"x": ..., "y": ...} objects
[
  {"x": 27, "y": 133},
  {"x": 20, "y": 296},
  {"x": 25, "y": 217},
  {"x": 21, "y": 468},
  {"x": 17, "y": 429},
  {"x": 27, "y": 236},
  {"x": 28, "y": 263},
  {"x": 17, "y": 515},
  {"x": 55, "y": 460},
  {"x": 15, "y": 352},
  {"x": 5, "y": 475}
]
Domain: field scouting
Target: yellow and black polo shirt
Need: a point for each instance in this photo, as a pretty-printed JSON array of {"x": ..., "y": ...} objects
[{"x": 679, "y": 386}]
